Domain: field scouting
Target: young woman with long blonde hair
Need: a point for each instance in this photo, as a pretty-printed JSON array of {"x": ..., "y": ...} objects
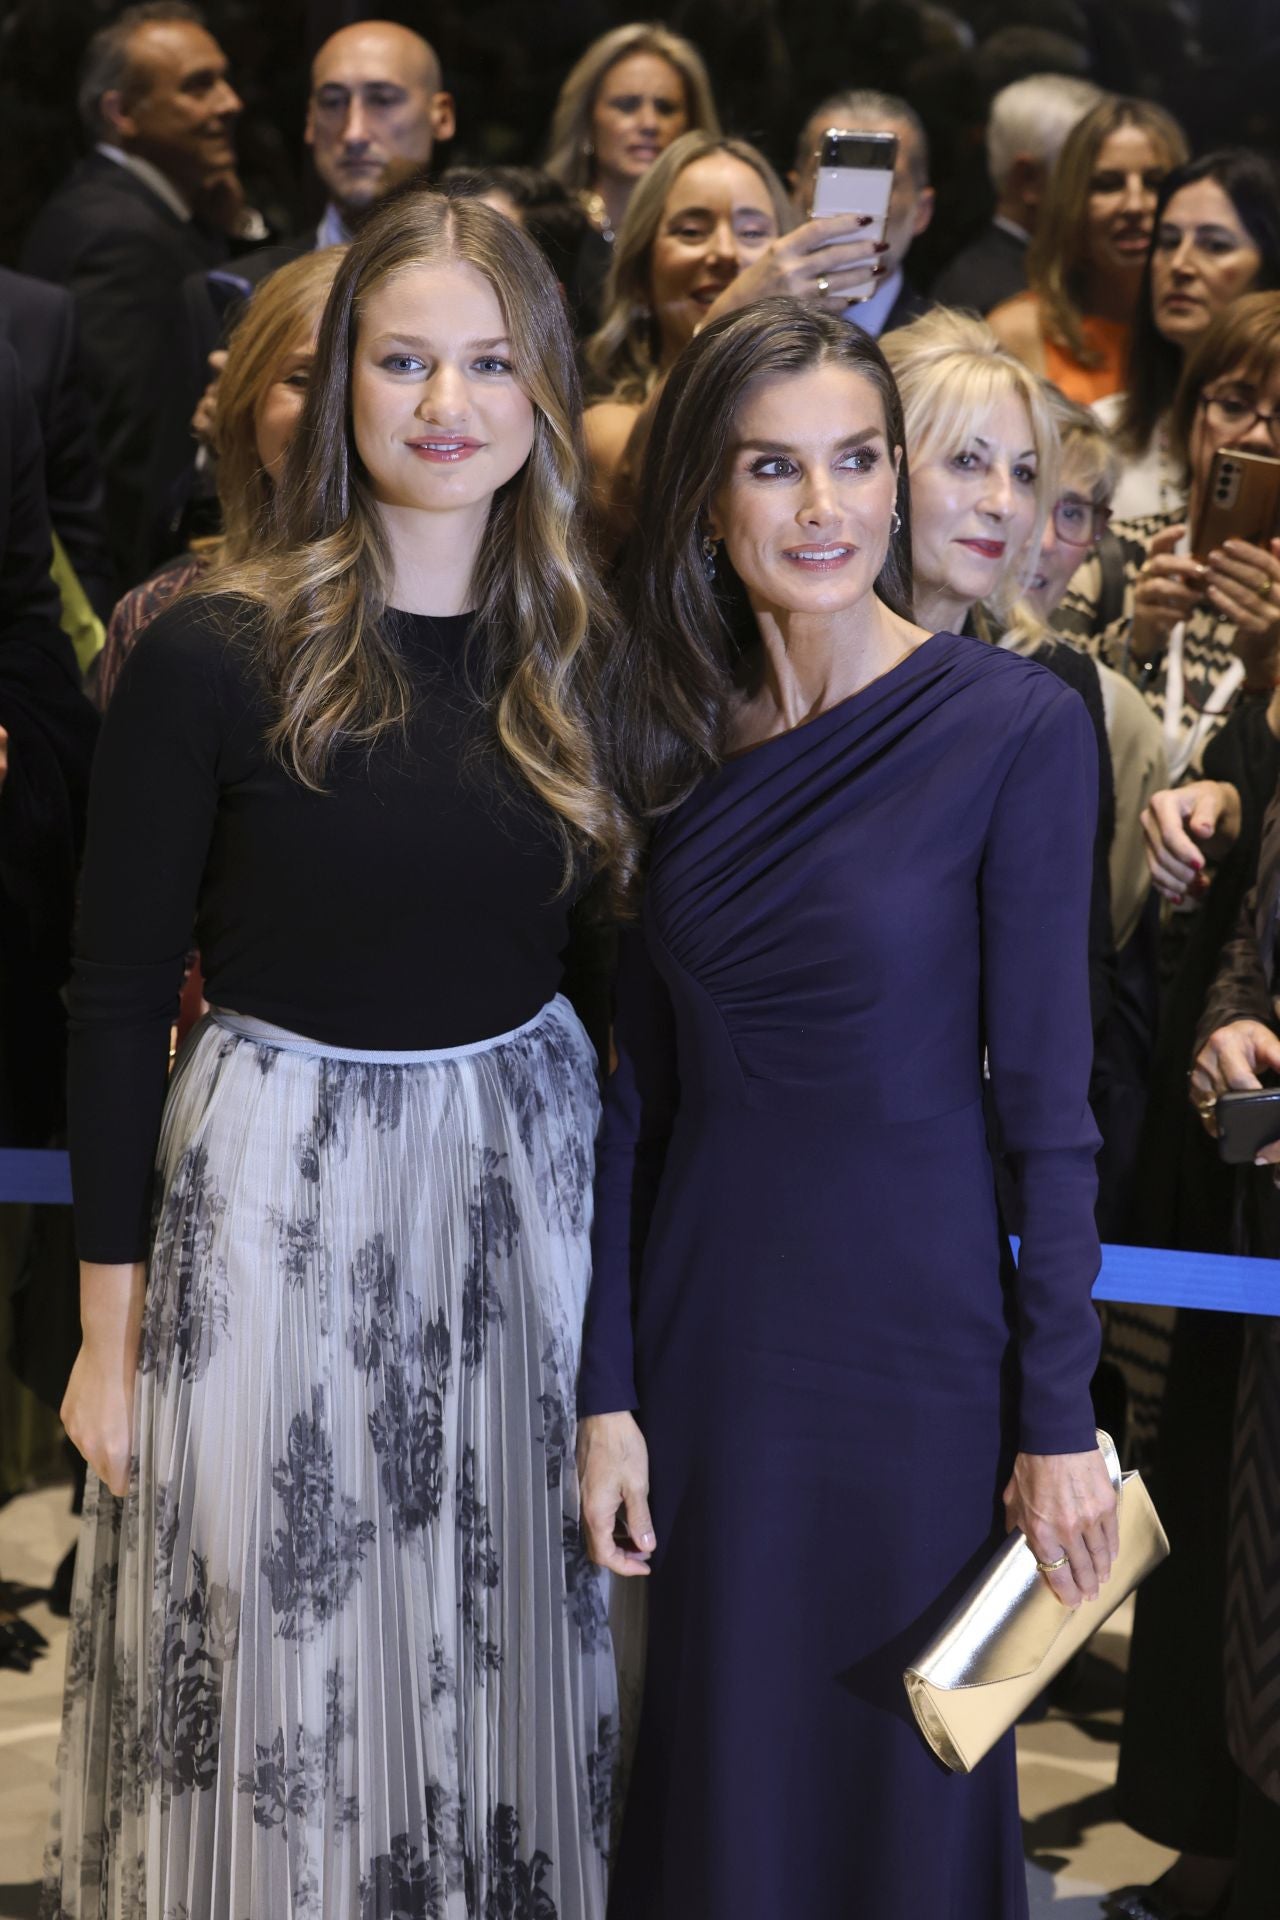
[{"x": 336, "y": 1648}]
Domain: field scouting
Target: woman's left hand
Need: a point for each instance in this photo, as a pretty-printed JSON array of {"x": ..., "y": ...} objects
[
  {"x": 1244, "y": 587},
  {"x": 1065, "y": 1504}
]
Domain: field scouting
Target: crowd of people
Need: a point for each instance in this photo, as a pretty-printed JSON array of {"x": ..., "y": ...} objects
[{"x": 605, "y": 784}]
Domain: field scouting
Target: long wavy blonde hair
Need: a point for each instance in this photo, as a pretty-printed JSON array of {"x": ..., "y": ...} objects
[
  {"x": 317, "y": 589},
  {"x": 951, "y": 370},
  {"x": 570, "y": 155},
  {"x": 624, "y": 355},
  {"x": 280, "y": 319}
]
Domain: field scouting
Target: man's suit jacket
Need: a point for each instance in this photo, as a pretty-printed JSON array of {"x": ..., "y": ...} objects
[
  {"x": 39, "y": 322},
  {"x": 51, "y": 729},
  {"x": 992, "y": 268},
  {"x": 123, "y": 254},
  {"x": 908, "y": 306}
]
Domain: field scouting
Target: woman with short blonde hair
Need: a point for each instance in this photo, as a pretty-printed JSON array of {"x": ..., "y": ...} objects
[
  {"x": 329, "y": 1357},
  {"x": 983, "y": 451},
  {"x": 1084, "y": 266},
  {"x": 955, "y": 378}
]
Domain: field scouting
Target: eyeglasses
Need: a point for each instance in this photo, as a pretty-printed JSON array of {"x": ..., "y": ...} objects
[
  {"x": 1077, "y": 522},
  {"x": 1234, "y": 414}
]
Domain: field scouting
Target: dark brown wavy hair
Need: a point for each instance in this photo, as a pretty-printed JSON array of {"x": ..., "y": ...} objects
[
  {"x": 676, "y": 666},
  {"x": 318, "y": 588}
]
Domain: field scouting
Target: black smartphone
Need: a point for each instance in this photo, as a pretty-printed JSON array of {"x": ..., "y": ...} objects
[{"x": 1247, "y": 1122}]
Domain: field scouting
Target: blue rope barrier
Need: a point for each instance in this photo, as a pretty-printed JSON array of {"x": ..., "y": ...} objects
[
  {"x": 1135, "y": 1276},
  {"x": 35, "y": 1174},
  {"x": 1159, "y": 1277}
]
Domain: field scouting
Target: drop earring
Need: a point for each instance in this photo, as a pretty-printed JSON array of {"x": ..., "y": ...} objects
[
  {"x": 896, "y": 522},
  {"x": 708, "y": 556}
]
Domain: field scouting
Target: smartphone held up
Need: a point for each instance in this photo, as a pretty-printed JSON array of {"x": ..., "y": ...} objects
[
  {"x": 1242, "y": 501},
  {"x": 855, "y": 176}
]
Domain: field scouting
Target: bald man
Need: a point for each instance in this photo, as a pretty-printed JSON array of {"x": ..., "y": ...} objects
[{"x": 376, "y": 112}]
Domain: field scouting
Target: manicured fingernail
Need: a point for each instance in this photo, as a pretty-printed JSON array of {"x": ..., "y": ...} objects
[
  {"x": 866, "y": 219},
  {"x": 647, "y": 1541},
  {"x": 1262, "y": 1161},
  {"x": 878, "y": 270},
  {"x": 881, "y": 246}
]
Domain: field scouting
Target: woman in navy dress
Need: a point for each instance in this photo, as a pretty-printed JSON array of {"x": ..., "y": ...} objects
[{"x": 806, "y": 1342}]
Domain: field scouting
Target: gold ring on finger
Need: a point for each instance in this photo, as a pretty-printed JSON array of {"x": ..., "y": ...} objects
[
  {"x": 824, "y": 285},
  {"x": 1051, "y": 1566},
  {"x": 1264, "y": 591}
]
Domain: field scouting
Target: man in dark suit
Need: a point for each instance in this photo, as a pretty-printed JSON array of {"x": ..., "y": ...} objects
[
  {"x": 39, "y": 322},
  {"x": 861, "y": 110},
  {"x": 137, "y": 215},
  {"x": 1026, "y": 128},
  {"x": 49, "y": 730}
]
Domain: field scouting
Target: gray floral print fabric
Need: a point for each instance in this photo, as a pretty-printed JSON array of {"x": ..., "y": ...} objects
[{"x": 340, "y": 1655}]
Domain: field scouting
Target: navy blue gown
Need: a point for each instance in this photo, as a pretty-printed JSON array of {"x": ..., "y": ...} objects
[{"x": 802, "y": 1285}]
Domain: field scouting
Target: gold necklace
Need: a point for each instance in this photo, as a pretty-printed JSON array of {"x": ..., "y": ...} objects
[{"x": 592, "y": 204}]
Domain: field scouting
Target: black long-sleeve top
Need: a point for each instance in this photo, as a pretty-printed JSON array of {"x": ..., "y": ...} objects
[{"x": 415, "y": 903}]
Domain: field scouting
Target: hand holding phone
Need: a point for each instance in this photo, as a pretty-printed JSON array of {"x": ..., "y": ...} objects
[
  {"x": 855, "y": 176},
  {"x": 1247, "y": 1122}
]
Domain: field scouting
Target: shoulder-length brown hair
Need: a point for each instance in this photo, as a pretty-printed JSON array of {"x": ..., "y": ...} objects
[
  {"x": 623, "y": 356},
  {"x": 673, "y": 671},
  {"x": 319, "y": 586},
  {"x": 1058, "y": 257},
  {"x": 280, "y": 319},
  {"x": 570, "y": 153}
]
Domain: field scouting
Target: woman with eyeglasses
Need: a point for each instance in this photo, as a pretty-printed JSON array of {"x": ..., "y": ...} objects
[
  {"x": 1196, "y": 636},
  {"x": 1216, "y": 236}
]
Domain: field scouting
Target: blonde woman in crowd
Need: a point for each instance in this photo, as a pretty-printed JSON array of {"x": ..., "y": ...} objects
[
  {"x": 982, "y": 447},
  {"x": 335, "y": 1645},
  {"x": 709, "y": 230},
  {"x": 1084, "y": 266},
  {"x": 252, "y": 413},
  {"x": 633, "y": 92}
]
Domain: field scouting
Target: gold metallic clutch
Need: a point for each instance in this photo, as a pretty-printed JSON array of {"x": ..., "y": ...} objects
[{"x": 1009, "y": 1636}]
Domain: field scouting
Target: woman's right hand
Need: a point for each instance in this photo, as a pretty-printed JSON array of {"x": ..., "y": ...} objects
[
  {"x": 832, "y": 249},
  {"x": 97, "y": 1408},
  {"x": 1169, "y": 587},
  {"x": 1184, "y": 829},
  {"x": 613, "y": 1474}
]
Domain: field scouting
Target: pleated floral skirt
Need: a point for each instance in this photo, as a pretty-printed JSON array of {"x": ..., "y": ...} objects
[{"x": 340, "y": 1655}]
